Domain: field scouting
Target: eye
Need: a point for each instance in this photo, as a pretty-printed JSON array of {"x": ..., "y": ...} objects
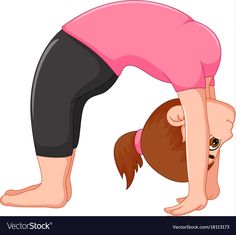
[{"x": 214, "y": 143}]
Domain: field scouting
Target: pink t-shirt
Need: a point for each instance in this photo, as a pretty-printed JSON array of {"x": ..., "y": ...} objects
[{"x": 160, "y": 40}]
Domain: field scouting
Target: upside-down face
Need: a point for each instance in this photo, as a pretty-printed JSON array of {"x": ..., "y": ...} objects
[
  {"x": 163, "y": 138},
  {"x": 221, "y": 117}
]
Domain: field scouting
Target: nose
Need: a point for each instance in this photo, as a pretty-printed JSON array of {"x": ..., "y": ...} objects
[{"x": 211, "y": 156}]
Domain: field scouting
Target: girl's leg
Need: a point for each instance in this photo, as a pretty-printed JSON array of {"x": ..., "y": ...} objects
[
  {"x": 68, "y": 177},
  {"x": 32, "y": 187},
  {"x": 68, "y": 75}
]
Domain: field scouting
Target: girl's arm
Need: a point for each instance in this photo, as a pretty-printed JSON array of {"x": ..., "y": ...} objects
[
  {"x": 210, "y": 90},
  {"x": 197, "y": 148},
  {"x": 212, "y": 186}
]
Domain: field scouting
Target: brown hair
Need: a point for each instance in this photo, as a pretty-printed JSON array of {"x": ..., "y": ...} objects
[
  {"x": 126, "y": 157},
  {"x": 161, "y": 145}
]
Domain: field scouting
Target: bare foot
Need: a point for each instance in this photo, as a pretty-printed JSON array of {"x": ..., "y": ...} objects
[
  {"x": 13, "y": 192},
  {"x": 41, "y": 196},
  {"x": 54, "y": 191},
  {"x": 32, "y": 187}
]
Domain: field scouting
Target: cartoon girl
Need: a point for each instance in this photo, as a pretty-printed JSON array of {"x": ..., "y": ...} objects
[
  {"x": 162, "y": 143},
  {"x": 85, "y": 59}
]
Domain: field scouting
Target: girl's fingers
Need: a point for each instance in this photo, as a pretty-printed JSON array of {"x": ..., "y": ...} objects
[
  {"x": 181, "y": 199},
  {"x": 182, "y": 211},
  {"x": 170, "y": 209},
  {"x": 185, "y": 209}
]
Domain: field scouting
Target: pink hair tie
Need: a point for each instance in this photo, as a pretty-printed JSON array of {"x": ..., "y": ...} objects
[{"x": 137, "y": 141}]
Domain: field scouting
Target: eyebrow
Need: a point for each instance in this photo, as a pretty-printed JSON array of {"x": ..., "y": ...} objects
[{"x": 232, "y": 122}]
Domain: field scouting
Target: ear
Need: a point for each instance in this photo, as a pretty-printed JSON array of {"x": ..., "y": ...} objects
[{"x": 175, "y": 116}]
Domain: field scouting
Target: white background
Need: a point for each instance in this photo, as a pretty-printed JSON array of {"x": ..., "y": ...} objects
[{"x": 26, "y": 28}]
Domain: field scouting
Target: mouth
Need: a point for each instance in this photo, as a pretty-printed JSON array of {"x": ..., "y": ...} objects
[{"x": 210, "y": 165}]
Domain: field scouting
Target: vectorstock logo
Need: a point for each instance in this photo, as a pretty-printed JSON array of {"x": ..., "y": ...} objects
[{"x": 29, "y": 226}]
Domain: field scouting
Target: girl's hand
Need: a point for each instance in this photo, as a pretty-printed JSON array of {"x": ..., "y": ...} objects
[{"x": 189, "y": 204}]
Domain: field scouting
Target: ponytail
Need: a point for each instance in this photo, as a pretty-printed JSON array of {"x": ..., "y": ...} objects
[{"x": 127, "y": 157}]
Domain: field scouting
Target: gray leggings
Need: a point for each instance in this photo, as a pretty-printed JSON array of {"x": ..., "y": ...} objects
[{"x": 68, "y": 74}]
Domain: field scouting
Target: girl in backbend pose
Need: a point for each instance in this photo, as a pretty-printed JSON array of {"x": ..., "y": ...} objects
[{"x": 85, "y": 59}]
